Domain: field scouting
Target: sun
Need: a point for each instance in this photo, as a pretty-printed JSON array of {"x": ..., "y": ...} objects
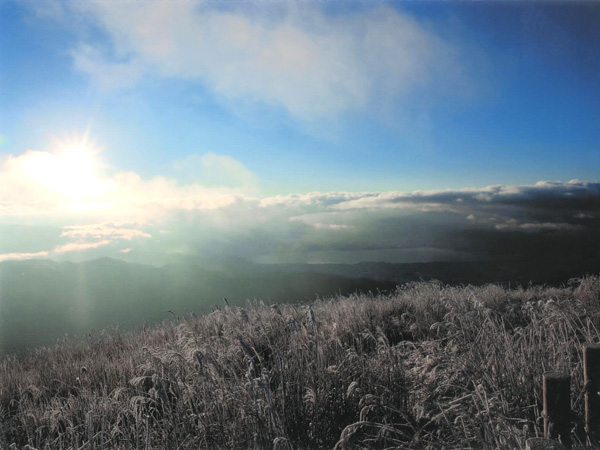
[{"x": 71, "y": 170}]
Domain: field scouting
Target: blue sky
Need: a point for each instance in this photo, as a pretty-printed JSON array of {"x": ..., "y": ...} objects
[{"x": 222, "y": 103}]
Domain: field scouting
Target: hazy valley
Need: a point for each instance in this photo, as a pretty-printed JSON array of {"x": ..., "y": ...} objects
[{"x": 42, "y": 300}]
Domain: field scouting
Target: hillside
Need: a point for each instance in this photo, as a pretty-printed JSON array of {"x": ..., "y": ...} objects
[{"x": 426, "y": 366}]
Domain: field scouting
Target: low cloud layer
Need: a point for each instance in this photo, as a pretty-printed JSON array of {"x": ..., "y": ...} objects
[
  {"x": 158, "y": 220},
  {"x": 38, "y": 183}
]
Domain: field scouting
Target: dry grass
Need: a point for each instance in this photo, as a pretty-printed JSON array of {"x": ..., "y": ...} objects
[{"x": 428, "y": 366}]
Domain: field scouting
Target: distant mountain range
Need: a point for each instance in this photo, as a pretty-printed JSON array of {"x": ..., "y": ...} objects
[{"x": 41, "y": 300}]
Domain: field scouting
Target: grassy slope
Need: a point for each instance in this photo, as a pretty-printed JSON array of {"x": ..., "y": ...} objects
[{"x": 428, "y": 366}]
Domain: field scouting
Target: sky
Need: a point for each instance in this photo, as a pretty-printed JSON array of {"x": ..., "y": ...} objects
[{"x": 304, "y": 131}]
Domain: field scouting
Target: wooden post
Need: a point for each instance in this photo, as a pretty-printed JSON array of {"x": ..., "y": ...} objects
[
  {"x": 90, "y": 430},
  {"x": 557, "y": 407},
  {"x": 591, "y": 378}
]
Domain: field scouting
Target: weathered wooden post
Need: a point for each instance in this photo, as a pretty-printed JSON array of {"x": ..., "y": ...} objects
[
  {"x": 591, "y": 378},
  {"x": 90, "y": 430},
  {"x": 557, "y": 407}
]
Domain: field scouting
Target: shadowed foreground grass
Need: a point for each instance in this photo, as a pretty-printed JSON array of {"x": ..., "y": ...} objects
[{"x": 428, "y": 366}]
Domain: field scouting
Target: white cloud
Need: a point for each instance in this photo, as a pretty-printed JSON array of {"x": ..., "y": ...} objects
[
  {"x": 101, "y": 231},
  {"x": 312, "y": 64},
  {"x": 84, "y": 237},
  {"x": 316, "y": 200},
  {"x": 80, "y": 246},
  {"x": 161, "y": 216},
  {"x": 330, "y": 226},
  {"x": 91, "y": 236},
  {"x": 95, "y": 209},
  {"x": 39, "y": 183},
  {"x": 107, "y": 75},
  {"x": 20, "y": 256},
  {"x": 530, "y": 226},
  {"x": 138, "y": 199}
]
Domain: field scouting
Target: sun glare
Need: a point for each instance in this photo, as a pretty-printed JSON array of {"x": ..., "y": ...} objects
[{"x": 71, "y": 170}]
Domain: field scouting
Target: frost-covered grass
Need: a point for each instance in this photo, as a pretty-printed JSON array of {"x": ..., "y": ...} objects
[{"x": 429, "y": 366}]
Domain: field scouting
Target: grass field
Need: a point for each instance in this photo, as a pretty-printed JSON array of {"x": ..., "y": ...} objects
[{"x": 428, "y": 366}]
